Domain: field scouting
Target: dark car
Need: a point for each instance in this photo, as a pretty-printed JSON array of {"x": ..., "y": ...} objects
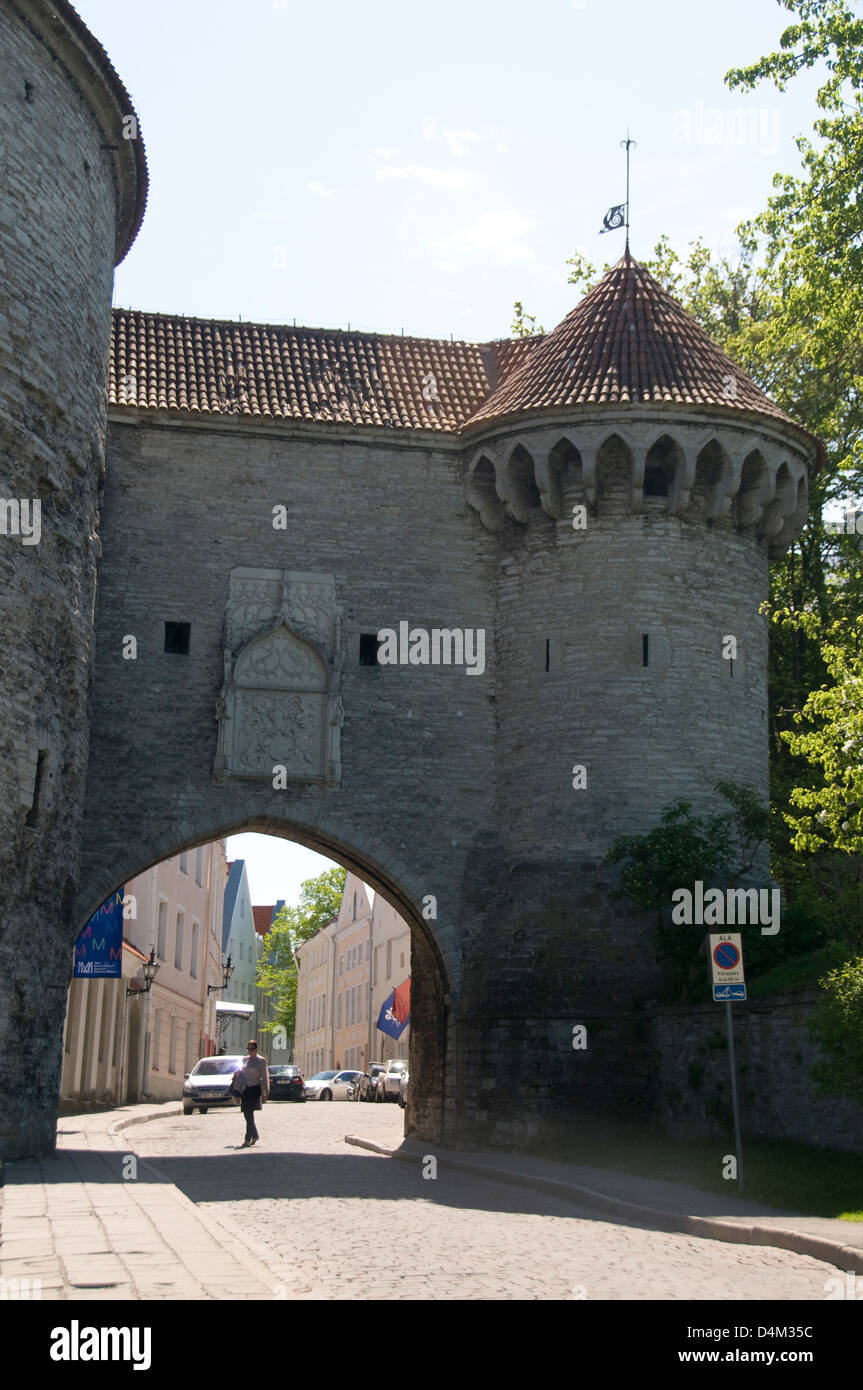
[
  {"x": 286, "y": 1083},
  {"x": 365, "y": 1085}
]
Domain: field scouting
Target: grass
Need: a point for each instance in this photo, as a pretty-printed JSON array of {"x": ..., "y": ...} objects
[
  {"x": 802, "y": 972},
  {"x": 779, "y": 1172}
]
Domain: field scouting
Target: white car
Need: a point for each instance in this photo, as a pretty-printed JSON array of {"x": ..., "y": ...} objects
[
  {"x": 389, "y": 1080},
  {"x": 208, "y": 1083},
  {"x": 330, "y": 1085}
]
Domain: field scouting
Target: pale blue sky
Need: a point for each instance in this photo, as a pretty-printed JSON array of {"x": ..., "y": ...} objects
[
  {"x": 419, "y": 167},
  {"x": 422, "y": 166}
]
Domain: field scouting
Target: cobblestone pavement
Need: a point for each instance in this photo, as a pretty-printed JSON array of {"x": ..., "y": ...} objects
[{"x": 331, "y": 1221}]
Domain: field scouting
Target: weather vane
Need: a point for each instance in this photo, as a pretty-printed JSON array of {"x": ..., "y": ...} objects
[{"x": 619, "y": 216}]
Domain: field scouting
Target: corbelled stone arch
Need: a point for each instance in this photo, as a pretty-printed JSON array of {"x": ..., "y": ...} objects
[
  {"x": 782, "y": 505},
  {"x": 661, "y": 473},
  {"x": 796, "y": 519},
  {"x": 615, "y": 461},
  {"x": 430, "y": 976},
  {"x": 755, "y": 489},
  {"x": 481, "y": 490},
  {"x": 560, "y": 476},
  {"x": 713, "y": 475},
  {"x": 517, "y": 485}
]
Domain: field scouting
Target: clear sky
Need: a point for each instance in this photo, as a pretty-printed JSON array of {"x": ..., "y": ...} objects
[{"x": 421, "y": 166}]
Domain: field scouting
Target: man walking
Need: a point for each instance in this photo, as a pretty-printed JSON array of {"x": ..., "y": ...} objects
[{"x": 256, "y": 1091}]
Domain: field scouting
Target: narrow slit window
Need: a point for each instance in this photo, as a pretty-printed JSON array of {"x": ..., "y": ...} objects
[
  {"x": 177, "y": 638},
  {"x": 548, "y": 653},
  {"x": 33, "y": 813},
  {"x": 645, "y": 652}
]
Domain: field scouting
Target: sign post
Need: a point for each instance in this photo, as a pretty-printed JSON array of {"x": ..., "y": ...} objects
[{"x": 726, "y": 964}]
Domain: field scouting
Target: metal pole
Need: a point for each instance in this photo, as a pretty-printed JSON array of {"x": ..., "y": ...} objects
[{"x": 737, "y": 1145}]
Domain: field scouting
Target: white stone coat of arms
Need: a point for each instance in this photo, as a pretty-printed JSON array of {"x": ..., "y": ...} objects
[{"x": 280, "y": 704}]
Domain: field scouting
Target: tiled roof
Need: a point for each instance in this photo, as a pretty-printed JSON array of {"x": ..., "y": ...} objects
[
  {"x": 160, "y": 362},
  {"x": 627, "y": 342},
  {"x": 262, "y": 917}
]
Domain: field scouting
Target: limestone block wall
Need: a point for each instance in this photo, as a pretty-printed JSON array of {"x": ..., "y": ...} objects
[
  {"x": 774, "y": 1052},
  {"x": 59, "y": 223}
]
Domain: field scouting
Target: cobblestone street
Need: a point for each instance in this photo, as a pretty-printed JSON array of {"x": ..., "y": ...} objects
[{"x": 332, "y": 1221}]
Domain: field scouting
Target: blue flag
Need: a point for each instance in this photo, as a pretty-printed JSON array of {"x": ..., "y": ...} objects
[
  {"x": 99, "y": 948},
  {"x": 387, "y": 1022}
]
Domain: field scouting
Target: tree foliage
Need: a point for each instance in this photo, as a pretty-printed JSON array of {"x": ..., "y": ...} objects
[
  {"x": 320, "y": 899},
  {"x": 837, "y": 1025}
]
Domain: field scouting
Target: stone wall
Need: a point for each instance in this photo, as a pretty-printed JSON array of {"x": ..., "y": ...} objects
[
  {"x": 58, "y": 225},
  {"x": 774, "y": 1053}
]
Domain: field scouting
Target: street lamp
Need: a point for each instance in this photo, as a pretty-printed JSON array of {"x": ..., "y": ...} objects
[
  {"x": 227, "y": 972},
  {"x": 151, "y": 970}
]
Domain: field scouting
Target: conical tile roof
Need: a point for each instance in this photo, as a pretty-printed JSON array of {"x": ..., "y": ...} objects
[{"x": 627, "y": 343}]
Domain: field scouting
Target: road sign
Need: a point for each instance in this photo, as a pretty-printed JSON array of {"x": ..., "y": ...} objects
[
  {"x": 726, "y": 960},
  {"x": 723, "y": 992}
]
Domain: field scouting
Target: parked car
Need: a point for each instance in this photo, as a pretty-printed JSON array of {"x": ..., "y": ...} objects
[
  {"x": 208, "y": 1083},
  {"x": 286, "y": 1083},
  {"x": 403, "y": 1090},
  {"x": 390, "y": 1078},
  {"x": 330, "y": 1085},
  {"x": 366, "y": 1082}
]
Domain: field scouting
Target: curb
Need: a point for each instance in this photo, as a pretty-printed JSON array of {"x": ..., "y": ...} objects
[
  {"x": 130, "y": 1120},
  {"x": 845, "y": 1257}
]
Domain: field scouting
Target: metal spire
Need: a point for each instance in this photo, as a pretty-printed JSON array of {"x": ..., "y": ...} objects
[{"x": 625, "y": 145}]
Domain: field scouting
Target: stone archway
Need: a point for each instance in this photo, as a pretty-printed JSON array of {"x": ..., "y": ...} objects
[{"x": 429, "y": 989}]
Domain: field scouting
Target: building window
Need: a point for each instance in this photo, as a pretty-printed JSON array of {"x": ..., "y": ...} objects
[
  {"x": 389, "y": 958},
  {"x": 162, "y": 937},
  {"x": 368, "y": 948},
  {"x": 339, "y": 1012},
  {"x": 341, "y": 963},
  {"x": 179, "y": 943},
  {"x": 196, "y": 946},
  {"x": 172, "y": 1046},
  {"x": 402, "y": 961},
  {"x": 369, "y": 647},
  {"x": 199, "y": 866},
  {"x": 157, "y": 1039},
  {"x": 355, "y": 907},
  {"x": 184, "y": 863}
]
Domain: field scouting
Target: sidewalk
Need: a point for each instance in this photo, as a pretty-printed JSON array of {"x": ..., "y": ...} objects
[
  {"x": 86, "y": 1229},
  {"x": 666, "y": 1206}
]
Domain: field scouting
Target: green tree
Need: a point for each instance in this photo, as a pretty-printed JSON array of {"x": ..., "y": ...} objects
[
  {"x": 523, "y": 325},
  {"x": 836, "y": 1023},
  {"x": 682, "y": 848},
  {"x": 320, "y": 899}
]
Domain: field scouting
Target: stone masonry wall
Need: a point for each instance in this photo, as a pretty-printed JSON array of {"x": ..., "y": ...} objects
[
  {"x": 774, "y": 1053},
  {"x": 57, "y": 233}
]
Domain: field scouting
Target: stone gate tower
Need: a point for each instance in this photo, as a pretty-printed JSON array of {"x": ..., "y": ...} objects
[
  {"x": 637, "y": 482},
  {"x": 74, "y": 185},
  {"x": 600, "y": 502}
]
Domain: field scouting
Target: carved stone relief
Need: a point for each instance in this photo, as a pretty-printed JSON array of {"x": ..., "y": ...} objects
[{"x": 280, "y": 702}]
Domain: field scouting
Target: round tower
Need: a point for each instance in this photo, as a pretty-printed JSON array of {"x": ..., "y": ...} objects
[
  {"x": 74, "y": 180},
  {"x": 638, "y": 481}
]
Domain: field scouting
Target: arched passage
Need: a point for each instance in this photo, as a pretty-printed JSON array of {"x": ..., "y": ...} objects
[{"x": 429, "y": 986}]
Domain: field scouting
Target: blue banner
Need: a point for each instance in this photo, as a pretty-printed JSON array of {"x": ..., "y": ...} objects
[
  {"x": 387, "y": 1021},
  {"x": 99, "y": 948}
]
